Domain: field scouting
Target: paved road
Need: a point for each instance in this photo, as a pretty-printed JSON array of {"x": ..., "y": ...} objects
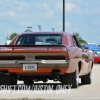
[{"x": 83, "y": 92}]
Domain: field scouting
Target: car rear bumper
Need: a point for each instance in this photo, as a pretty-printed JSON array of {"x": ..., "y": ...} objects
[
  {"x": 35, "y": 61},
  {"x": 43, "y": 66}
]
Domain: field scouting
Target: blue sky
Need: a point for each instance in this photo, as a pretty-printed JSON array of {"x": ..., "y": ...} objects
[{"x": 82, "y": 16}]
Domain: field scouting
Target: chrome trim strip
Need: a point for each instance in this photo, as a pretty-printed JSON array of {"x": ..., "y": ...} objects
[
  {"x": 34, "y": 61},
  {"x": 8, "y": 62},
  {"x": 54, "y": 62}
]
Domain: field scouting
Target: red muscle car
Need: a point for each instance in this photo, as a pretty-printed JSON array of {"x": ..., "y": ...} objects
[{"x": 42, "y": 56}]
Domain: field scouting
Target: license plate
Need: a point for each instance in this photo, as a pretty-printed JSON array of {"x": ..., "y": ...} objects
[{"x": 29, "y": 67}]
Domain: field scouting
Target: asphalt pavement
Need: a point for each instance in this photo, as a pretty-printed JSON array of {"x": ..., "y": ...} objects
[{"x": 54, "y": 90}]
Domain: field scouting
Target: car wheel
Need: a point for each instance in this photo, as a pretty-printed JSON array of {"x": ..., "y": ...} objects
[
  {"x": 7, "y": 79},
  {"x": 71, "y": 80},
  {"x": 87, "y": 79},
  {"x": 14, "y": 80},
  {"x": 75, "y": 79},
  {"x": 64, "y": 79}
]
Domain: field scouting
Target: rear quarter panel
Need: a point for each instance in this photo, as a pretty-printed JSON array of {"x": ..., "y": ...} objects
[{"x": 75, "y": 54}]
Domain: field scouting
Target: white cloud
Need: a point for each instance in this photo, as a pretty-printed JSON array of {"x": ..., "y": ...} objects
[
  {"x": 10, "y": 13},
  {"x": 96, "y": 10},
  {"x": 95, "y": 2},
  {"x": 76, "y": 1},
  {"x": 42, "y": 6},
  {"x": 80, "y": 6},
  {"x": 26, "y": 23},
  {"x": 12, "y": 8},
  {"x": 67, "y": 24},
  {"x": 2, "y": 24},
  {"x": 46, "y": 11},
  {"x": 72, "y": 8},
  {"x": 96, "y": 22},
  {"x": 69, "y": 7},
  {"x": 48, "y": 14},
  {"x": 86, "y": 10},
  {"x": 21, "y": 5},
  {"x": 91, "y": 7},
  {"x": 7, "y": 14},
  {"x": 16, "y": 3},
  {"x": 45, "y": 6}
]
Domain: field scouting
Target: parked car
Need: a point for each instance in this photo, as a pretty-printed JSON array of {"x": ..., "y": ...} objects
[
  {"x": 31, "y": 57},
  {"x": 96, "y": 56}
]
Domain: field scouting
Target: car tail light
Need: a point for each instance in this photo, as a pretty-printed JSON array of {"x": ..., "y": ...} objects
[
  {"x": 51, "y": 57},
  {"x": 12, "y": 57}
]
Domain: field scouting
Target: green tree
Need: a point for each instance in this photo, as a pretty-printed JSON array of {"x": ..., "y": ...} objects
[
  {"x": 99, "y": 45},
  {"x": 12, "y": 35},
  {"x": 79, "y": 38}
]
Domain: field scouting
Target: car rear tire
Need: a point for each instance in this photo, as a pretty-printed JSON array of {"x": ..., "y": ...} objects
[
  {"x": 87, "y": 79},
  {"x": 75, "y": 79},
  {"x": 8, "y": 79},
  {"x": 71, "y": 80},
  {"x": 64, "y": 79}
]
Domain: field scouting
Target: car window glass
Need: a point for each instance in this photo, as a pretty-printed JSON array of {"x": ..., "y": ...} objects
[
  {"x": 75, "y": 44},
  {"x": 39, "y": 39}
]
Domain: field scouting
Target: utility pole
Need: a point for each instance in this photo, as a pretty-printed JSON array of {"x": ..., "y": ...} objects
[
  {"x": 63, "y": 15},
  {"x": 39, "y": 26}
]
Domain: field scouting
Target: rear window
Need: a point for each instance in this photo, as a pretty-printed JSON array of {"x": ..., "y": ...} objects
[{"x": 39, "y": 39}]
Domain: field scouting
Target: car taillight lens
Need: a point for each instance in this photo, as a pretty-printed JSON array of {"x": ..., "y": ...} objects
[{"x": 51, "y": 57}]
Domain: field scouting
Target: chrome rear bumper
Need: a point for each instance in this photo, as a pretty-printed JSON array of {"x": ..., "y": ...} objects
[{"x": 35, "y": 61}]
